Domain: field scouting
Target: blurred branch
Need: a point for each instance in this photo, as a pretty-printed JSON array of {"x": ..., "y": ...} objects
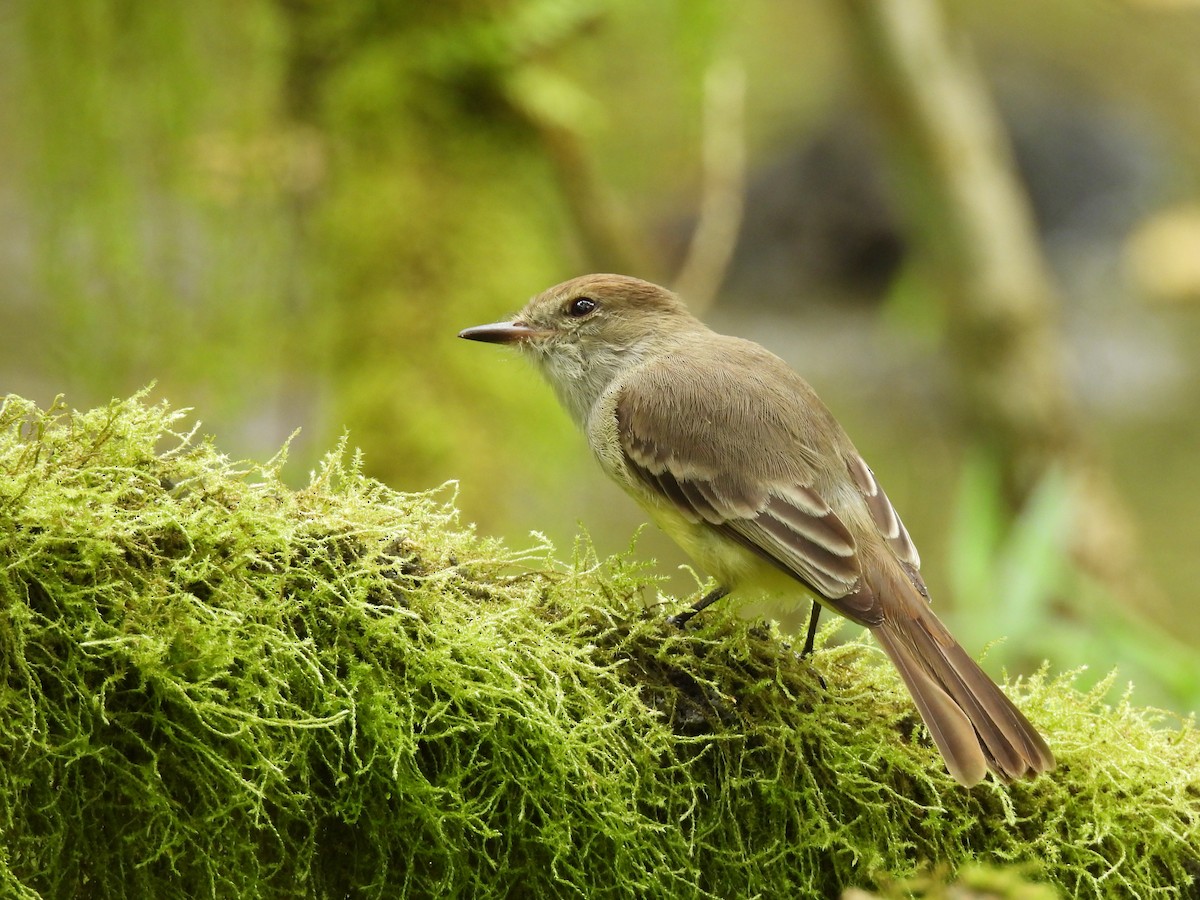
[
  {"x": 972, "y": 225},
  {"x": 722, "y": 198},
  {"x": 607, "y": 245},
  {"x": 610, "y": 242},
  {"x": 557, "y": 112},
  {"x": 971, "y": 221}
]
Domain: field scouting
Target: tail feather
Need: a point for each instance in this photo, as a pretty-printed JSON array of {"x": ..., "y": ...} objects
[
  {"x": 1015, "y": 745},
  {"x": 949, "y": 726},
  {"x": 974, "y": 725}
]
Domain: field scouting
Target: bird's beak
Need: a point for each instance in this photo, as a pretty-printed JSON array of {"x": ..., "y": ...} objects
[{"x": 500, "y": 333}]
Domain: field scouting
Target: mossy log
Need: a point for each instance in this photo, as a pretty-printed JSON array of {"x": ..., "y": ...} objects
[{"x": 216, "y": 685}]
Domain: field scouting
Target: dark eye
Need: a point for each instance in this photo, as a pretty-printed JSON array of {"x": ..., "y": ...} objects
[{"x": 581, "y": 306}]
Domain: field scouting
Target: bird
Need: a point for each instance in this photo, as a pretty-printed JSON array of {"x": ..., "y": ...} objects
[{"x": 734, "y": 456}]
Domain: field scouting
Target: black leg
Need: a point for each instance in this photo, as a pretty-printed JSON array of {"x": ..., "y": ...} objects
[
  {"x": 812, "y": 629},
  {"x": 680, "y": 620}
]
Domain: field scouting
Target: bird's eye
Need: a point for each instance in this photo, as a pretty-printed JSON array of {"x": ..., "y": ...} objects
[{"x": 580, "y": 307}]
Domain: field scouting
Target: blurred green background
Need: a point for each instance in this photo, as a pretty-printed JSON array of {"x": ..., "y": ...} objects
[{"x": 282, "y": 212}]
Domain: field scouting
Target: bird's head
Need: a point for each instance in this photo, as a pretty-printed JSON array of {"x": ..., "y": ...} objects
[
  {"x": 591, "y": 311},
  {"x": 585, "y": 332}
]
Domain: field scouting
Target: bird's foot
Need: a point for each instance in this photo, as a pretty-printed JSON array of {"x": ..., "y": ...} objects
[{"x": 680, "y": 620}]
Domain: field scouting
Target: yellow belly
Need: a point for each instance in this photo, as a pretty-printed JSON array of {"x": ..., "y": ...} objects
[{"x": 759, "y": 589}]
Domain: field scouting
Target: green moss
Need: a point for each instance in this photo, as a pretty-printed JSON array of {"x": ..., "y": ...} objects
[{"x": 214, "y": 685}]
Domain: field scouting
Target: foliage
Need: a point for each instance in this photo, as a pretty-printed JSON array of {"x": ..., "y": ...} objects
[
  {"x": 216, "y": 685},
  {"x": 1013, "y": 577},
  {"x": 286, "y": 211}
]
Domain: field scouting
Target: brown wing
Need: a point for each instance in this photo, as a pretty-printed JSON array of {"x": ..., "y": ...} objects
[{"x": 745, "y": 450}]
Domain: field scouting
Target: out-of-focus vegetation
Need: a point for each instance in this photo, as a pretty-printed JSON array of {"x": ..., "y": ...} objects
[{"x": 282, "y": 212}]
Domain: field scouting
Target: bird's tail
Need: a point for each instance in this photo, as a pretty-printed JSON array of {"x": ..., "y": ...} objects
[{"x": 974, "y": 725}]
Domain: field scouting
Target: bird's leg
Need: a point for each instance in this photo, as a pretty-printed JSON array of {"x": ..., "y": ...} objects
[
  {"x": 680, "y": 620},
  {"x": 812, "y": 629}
]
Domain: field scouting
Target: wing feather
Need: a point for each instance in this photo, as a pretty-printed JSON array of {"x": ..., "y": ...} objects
[
  {"x": 746, "y": 454},
  {"x": 886, "y": 519}
]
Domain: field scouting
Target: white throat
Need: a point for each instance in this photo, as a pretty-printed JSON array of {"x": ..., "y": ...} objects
[{"x": 580, "y": 378}]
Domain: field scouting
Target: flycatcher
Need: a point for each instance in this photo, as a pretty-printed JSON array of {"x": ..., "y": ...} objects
[{"x": 734, "y": 456}]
